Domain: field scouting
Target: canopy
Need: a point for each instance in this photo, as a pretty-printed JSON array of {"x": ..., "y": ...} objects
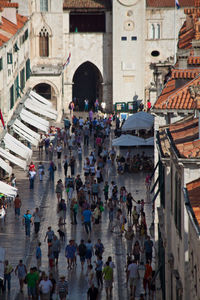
[
  {"x": 149, "y": 141},
  {"x": 4, "y": 165},
  {"x": 34, "y": 95},
  {"x": 25, "y": 128},
  {"x": 15, "y": 160},
  {"x": 128, "y": 140},
  {"x": 34, "y": 120},
  {"x": 140, "y": 120},
  {"x": 15, "y": 146},
  {"x": 40, "y": 108},
  {"x": 25, "y": 135},
  {"x": 7, "y": 189}
]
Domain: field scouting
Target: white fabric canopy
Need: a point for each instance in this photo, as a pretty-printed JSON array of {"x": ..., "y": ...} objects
[
  {"x": 7, "y": 189},
  {"x": 15, "y": 146},
  {"x": 40, "y": 98},
  {"x": 41, "y": 109},
  {"x": 25, "y": 128},
  {"x": 140, "y": 120},
  {"x": 34, "y": 120},
  {"x": 128, "y": 140},
  {"x": 4, "y": 165},
  {"x": 25, "y": 135},
  {"x": 15, "y": 160}
]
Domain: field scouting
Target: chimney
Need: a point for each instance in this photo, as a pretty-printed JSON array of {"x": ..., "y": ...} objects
[{"x": 9, "y": 12}]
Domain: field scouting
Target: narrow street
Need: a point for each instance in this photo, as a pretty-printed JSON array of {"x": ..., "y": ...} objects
[{"x": 17, "y": 246}]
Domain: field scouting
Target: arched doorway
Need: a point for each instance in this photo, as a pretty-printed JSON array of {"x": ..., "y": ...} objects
[
  {"x": 46, "y": 91},
  {"x": 87, "y": 84}
]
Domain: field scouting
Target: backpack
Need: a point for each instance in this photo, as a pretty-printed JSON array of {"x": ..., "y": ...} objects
[{"x": 82, "y": 249}]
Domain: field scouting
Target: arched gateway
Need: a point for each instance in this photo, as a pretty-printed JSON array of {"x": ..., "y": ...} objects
[{"x": 87, "y": 84}]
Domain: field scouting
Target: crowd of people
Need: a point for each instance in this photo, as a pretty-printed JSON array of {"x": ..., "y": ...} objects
[{"x": 89, "y": 195}]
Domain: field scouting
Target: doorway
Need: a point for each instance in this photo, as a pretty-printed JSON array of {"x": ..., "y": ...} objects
[
  {"x": 47, "y": 91},
  {"x": 87, "y": 85}
]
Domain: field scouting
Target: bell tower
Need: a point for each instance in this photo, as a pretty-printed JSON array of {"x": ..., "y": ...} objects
[{"x": 128, "y": 50}]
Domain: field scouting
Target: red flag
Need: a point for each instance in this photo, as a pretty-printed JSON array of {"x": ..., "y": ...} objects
[{"x": 2, "y": 120}]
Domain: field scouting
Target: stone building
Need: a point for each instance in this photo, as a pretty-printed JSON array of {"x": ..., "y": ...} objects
[
  {"x": 111, "y": 57},
  {"x": 14, "y": 57}
]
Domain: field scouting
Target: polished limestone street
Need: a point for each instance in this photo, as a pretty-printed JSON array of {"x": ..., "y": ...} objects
[{"x": 17, "y": 246}]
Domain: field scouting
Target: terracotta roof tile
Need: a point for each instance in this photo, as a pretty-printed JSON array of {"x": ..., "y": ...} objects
[
  {"x": 193, "y": 193},
  {"x": 168, "y": 3},
  {"x": 8, "y": 4},
  {"x": 98, "y": 4},
  {"x": 194, "y": 60}
]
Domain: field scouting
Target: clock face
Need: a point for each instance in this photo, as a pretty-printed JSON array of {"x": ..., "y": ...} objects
[{"x": 128, "y": 2}]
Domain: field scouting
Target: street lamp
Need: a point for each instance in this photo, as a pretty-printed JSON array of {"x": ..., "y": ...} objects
[{"x": 141, "y": 271}]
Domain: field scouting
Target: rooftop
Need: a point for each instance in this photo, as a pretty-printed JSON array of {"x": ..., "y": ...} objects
[
  {"x": 193, "y": 193},
  {"x": 169, "y": 3},
  {"x": 87, "y": 4}
]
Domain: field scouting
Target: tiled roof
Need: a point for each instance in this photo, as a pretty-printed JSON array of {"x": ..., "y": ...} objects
[
  {"x": 8, "y": 4},
  {"x": 186, "y": 35},
  {"x": 185, "y": 74},
  {"x": 168, "y": 3},
  {"x": 10, "y": 28},
  {"x": 193, "y": 193},
  {"x": 101, "y": 4},
  {"x": 185, "y": 135},
  {"x": 178, "y": 98},
  {"x": 194, "y": 60}
]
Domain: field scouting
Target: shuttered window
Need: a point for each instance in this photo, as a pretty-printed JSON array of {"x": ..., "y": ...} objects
[
  {"x": 44, "y": 43},
  {"x": 43, "y": 5}
]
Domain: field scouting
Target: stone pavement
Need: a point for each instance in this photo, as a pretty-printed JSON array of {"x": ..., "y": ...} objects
[{"x": 12, "y": 238}]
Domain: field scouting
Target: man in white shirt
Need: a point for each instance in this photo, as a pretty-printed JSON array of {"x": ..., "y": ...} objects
[
  {"x": 45, "y": 287},
  {"x": 32, "y": 174},
  {"x": 132, "y": 277}
]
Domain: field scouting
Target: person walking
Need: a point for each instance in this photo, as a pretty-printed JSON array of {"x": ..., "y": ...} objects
[
  {"x": 132, "y": 277},
  {"x": 82, "y": 253},
  {"x": 108, "y": 279},
  {"x": 20, "y": 272},
  {"x": 62, "y": 288},
  {"x": 52, "y": 169},
  {"x": 8, "y": 269},
  {"x": 56, "y": 248},
  {"x": 72, "y": 165},
  {"x": 59, "y": 189},
  {"x": 65, "y": 165},
  {"x": 70, "y": 251},
  {"x": 27, "y": 221},
  {"x": 36, "y": 220},
  {"x": 32, "y": 279},
  {"x": 148, "y": 249},
  {"x": 92, "y": 293},
  {"x": 38, "y": 255},
  {"x": 87, "y": 214},
  {"x": 41, "y": 170},
  {"x": 45, "y": 288},
  {"x": 17, "y": 205},
  {"x": 49, "y": 235},
  {"x": 129, "y": 235},
  {"x": 99, "y": 274},
  {"x": 32, "y": 174}
]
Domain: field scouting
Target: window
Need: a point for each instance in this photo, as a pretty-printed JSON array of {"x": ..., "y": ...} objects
[
  {"x": 177, "y": 203},
  {"x": 43, "y": 5},
  {"x": 1, "y": 63},
  {"x": 44, "y": 42},
  {"x": 123, "y": 38},
  {"x": 154, "y": 31},
  {"x": 87, "y": 22},
  {"x": 9, "y": 58},
  {"x": 28, "y": 69},
  {"x": 26, "y": 35},
  {"x": 155, "y": 53},
  {"x": 134, "y": 38},
  {"x": 22, "y": 79},
  {"x": 11, "y": 96}
]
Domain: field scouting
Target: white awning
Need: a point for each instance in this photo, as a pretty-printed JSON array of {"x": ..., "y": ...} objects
[
  {"x": 41, "y": 109},
  {"x": 13, "y": 144},
  {"x": 34, "y": 120},
  {"x": 25, "y": 128},
  {"x": 15, "y": 160},
  {"x": 4, "y": 165},
  {"x": 40, "y": 98},
  {"x": 7, "y": 189},
  {"x": 25, "y": 135}
]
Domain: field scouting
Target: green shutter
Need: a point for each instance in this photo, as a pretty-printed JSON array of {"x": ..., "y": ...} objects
[
  {"x": 22, "y": 79},
  {"x": 17, "y": 94},
  {"x": 28, "y": 69},
  {"x": 12, "y": 97},
  {"x": 1, "y": 63}
]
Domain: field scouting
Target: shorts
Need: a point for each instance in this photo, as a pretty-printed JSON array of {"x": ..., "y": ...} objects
[
  {"x": 133, "y": 281},
  {"x": 86, "y": 174},
  {"x": 82, "y": 258},
  {"x": 56, "y": 254},
  {"x": 62, "y": 295},
  {"x": 31, "y": 291},
  {"x": 108, "y": 283},
  {"x": 94, "y": 194}
]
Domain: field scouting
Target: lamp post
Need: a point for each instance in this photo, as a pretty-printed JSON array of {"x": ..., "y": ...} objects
[{"x": 141, "y": 271}]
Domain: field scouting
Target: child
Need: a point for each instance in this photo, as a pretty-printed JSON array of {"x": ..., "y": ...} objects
[{"x": 106, "y": 189}]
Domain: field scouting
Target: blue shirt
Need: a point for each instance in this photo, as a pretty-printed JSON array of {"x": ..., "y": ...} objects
[
  {"x": 27, "y": 218},
  {"x": 87, "y": 215},
  {"x": 38, "y": 252}
]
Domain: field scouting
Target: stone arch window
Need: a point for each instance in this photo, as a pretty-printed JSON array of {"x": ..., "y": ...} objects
[
  {"x": 44, "y": 42},
  {"x": 152, "y": 32},
  {"x": 157, "y": 35},
  {"x": 43, "y": 5}
]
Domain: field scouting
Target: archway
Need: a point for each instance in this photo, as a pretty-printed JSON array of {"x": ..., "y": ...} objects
[
  {"x": 46, "y": 91},
  {"x": 87, "y": 84}
]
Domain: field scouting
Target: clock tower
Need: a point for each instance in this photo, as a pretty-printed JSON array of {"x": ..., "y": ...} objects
[{"x": 128, "y": 50}]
